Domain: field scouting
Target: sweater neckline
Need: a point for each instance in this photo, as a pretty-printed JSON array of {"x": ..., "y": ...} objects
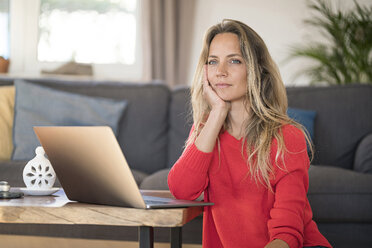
[{"x": 231, "y": 137}]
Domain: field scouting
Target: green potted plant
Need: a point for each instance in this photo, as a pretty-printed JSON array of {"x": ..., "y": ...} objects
[{"x": 346, "y": 57}]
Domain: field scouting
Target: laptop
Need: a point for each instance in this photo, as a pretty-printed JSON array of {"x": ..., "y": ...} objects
[{"x": 91, "y": 168}]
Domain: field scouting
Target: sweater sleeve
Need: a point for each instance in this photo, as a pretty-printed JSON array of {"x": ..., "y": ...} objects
[
  {"x": 290, "y": 188},
  {"x": 188, "y": 177}
]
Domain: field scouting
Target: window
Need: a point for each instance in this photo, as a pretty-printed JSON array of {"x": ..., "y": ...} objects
[
  {"x": 87, "y": 31},
  {"x": 46, "y": 34},
  {"x": 4, "y": 28}
]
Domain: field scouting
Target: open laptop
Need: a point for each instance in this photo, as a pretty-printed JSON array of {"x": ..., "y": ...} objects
[{"x": 91, "y": 168}]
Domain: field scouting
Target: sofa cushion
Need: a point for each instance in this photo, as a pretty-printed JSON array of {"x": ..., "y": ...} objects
[
  {"x": 363, "y": 155},
  {"x": 304, "y": 117},
  {"x": 342, "y": 119},
  {"x": 156, "y": 181},
  {"x": 139, "y": 176},
  {"x": 6, "y": 121},
  {"x": 333, "y": 193},
  {"x": 340, "y": 195},
  {"x": 40, "y": 106},
  {"x": 144, "y": 127}
]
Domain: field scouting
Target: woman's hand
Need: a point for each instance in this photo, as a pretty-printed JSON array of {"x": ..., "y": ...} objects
[
  {"x": 219, "y": 108},
  {"x": 277, "y": 243},
  {"x": 214, "y": 101}
]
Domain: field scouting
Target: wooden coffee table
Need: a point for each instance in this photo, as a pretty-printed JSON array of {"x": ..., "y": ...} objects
[{"x": 57, "y": 209}]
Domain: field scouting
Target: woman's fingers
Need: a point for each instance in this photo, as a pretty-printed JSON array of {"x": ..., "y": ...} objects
[
  {"x": 205, "y": 75},
  {"x": 205, "y": 79},
  {"x": 206, "y": 86},
  {"x": 214, "y": 101},
  {"x": 209, "y": 94},
  {"x": 207, "y": 89}
]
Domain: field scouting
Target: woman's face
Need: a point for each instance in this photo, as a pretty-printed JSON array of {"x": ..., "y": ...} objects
[{"x": 227, "y": 72}]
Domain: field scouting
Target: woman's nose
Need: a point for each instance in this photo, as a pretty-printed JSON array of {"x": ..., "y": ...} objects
[{"x": 221, "y": 69}]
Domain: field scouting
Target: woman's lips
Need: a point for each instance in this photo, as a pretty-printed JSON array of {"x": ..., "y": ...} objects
[{"x": 222, "y": 85}]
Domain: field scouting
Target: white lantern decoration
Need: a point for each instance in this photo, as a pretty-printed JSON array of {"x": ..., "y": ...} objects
[{"x": 38, "y": 172}]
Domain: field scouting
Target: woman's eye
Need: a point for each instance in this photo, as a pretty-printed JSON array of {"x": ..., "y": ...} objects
[
  {"x": 212, "y": 62},
  {"x": 236, "y": 61}
]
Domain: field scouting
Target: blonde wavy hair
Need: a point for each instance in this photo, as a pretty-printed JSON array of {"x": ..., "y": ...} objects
[{"x": 265, "y": 100}]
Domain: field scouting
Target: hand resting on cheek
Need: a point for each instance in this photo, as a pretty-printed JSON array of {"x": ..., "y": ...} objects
[{"x": 214, "y": 101}]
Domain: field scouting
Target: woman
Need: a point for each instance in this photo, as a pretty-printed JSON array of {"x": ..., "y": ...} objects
[{"x": 243, "y": 151}]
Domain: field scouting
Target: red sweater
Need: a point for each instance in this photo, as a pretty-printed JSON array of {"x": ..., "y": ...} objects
[{"x": 246, "y": 214}]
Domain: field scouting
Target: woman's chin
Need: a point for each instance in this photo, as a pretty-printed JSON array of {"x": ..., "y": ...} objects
[
  {"x": 224, "y": 97},
  {"x": 231, "y": 99},
  {"x": 228, "y": 97}
]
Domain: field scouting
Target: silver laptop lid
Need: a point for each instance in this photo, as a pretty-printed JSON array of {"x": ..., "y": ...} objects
[{"x": 90, "y": 165}]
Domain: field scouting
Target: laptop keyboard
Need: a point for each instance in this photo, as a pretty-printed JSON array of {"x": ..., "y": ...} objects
[{"x": 155, "y": 202}]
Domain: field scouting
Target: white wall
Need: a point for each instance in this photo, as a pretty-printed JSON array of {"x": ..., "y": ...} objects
[{"x": 278, "y": 22}]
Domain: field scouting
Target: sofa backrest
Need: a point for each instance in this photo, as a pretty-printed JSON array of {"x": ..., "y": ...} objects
[
  {"x": 180, "y": 122},
  {"x": 157, "y": 122},
  {"x": 343, "y": 118},
  {"x": 143, "y": 128}
]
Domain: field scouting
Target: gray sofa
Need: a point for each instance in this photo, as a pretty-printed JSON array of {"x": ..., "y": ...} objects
[{"x": 156, "y": 123}]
